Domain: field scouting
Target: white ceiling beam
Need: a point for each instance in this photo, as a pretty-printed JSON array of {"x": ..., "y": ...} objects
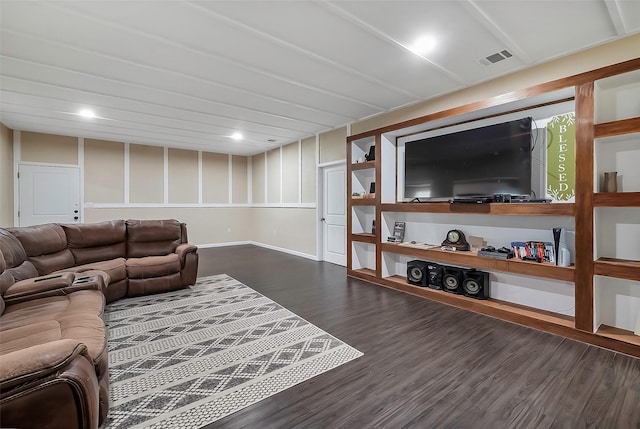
[
  {"x": 613, "y": 8},
  {"x": 483, "y": 18},
  {"x": 387, "y": 38}
]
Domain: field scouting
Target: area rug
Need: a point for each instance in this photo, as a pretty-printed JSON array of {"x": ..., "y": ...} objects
[{"x": 187, "y": 358}]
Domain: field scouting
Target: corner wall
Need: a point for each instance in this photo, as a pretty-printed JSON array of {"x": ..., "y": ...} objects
[{"x": 6, "y": 176}]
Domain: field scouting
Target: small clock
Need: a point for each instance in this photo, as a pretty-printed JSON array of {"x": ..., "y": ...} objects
[{"x": 456, "y": 239}]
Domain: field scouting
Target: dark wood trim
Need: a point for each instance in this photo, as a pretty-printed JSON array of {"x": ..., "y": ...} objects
[
  {"x": 584, "y": 207},
  {"x": 616, "y": 199},
  {"x": 575, "y": 80},
  {"x": 349, "y": 204},
  {"x": 504, "y": 209},
  {"x": 362, "y": 201},
  {"x": 378, "y": 215},
  {"x": 619, "y": 334},
  {"x": 363, "y": 237},
  {"x": 363, "y": 165},
  {"x": 495, "y": 115},
  {"x": 363, "y": 274},
  {"x": 616, "y": 128},
  {"x": 471, "y": 259},
  {"x": 619, "y": 268}
]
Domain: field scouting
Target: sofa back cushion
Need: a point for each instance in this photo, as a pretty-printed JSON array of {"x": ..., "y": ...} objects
[
  {"x": 45, "y": 246},
  {"x": 96, "y": 242},
  {"x": 152, "y": 237},
  {"x": 15, "y": 266}
]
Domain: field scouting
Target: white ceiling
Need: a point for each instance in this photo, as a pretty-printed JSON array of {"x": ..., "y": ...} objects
[{"x": 189, "y": 74}]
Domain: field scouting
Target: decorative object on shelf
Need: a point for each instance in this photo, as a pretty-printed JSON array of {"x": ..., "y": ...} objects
[
  {"x": 373, "y": 227},
  {"x": 492, "y": 252},
  {"x": 372, "y": 190},
  {"x": 540, "y": 251},
  {"x": 398, "y": 232},
  {"x": 563, "y": 257},
  {"x": 476, "y": 242},
  {"x": 371, "y": 156},
  {"x": 452, "y": 279},
  {"x": 417, "y": 272},
  {"x": 610, "y": 182},
  {"x": 561, "y": 157},
  {"x": 455, "y": 239},
  {"x": 435, "y": 275},
  {"x": 475, "y": 284},
  {"x": 357, "y": 196}
]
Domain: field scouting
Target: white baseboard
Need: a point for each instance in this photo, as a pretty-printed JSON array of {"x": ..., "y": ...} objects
[
  {"x": 229, "y": 243},
  {"x": 266, "y": 246}
]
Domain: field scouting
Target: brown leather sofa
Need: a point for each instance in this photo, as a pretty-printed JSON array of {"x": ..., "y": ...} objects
[{"x": 54, "y": 282}]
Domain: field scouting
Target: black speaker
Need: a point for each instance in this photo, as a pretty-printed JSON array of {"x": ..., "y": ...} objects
[
  {"x": 434, "y": 275},
  {"x": 452, "y": 279},
  {"x": 417, "y": 273},
  {"x": 475, "y": 284}
]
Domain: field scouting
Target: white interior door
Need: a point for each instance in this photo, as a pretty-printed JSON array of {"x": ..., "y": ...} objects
[
  {"x": 334, "y": 215},
  {"x": 48, "y": 194}
]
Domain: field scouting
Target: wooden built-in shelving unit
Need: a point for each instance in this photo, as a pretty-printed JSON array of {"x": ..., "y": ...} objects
[{"x": 581, "y": 275}]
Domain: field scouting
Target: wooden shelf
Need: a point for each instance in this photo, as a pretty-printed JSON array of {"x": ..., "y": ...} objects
[
  {"x": 616, "y": 199},
  {"x": 363, "y": 237},
  {"x": 471, "y": 259},
  {"x": 616, "y": 128},
  {"x": 618, "y": 334},
  {"x": 619, "y": 268},
  {"x": 363, "y": 165},
  {"x": 523, "y": 315},
  {"x": 504, "y": 209},
  {"x": 364, "y": 273},
  {"x": 363, "y": 201}
]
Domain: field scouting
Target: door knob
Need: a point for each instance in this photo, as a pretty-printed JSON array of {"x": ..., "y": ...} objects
[
  {"x": 76, "y": 218},
  {"x": 323, "y": 219}
]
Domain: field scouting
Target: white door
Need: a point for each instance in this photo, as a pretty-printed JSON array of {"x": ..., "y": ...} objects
[
  {"x": 48, "y": 194},
  {"x": 334, "y": 215}
]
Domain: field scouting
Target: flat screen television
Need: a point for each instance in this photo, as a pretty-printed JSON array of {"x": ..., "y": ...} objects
[{"x": 478, "y": 162}]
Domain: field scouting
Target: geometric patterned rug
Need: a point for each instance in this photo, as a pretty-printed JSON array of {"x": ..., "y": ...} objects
[{"x": 187, "y": 358}]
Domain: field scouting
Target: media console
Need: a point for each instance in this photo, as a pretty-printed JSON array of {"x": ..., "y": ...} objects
[{"x": 370, "y": 258}]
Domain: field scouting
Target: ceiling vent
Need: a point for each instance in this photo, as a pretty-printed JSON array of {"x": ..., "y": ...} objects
[{"x": 494, "y": 58}]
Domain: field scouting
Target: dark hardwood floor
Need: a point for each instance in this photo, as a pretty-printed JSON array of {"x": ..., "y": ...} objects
[{"x": 425, "y": 364}]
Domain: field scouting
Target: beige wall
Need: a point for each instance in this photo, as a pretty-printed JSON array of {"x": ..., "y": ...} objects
[
  {"x": 183, "y": 176},
  {"x": 290, "y": 180},
  {"x": 257, "y": 179},
  {"x": 333, "y": 145},
  {"x": 103, "y": 171},
  {"x": 205, "y": 225},
  {"x": 601, "y": 56},
  {"x": 288, "y": 228},
  {"x": 273, "y": 176},
  {"x": 240, "y": 169},
  {"x": 38, "y": 147},
  {"x": 6, "y": 176},
  {"x": 215, "y": 178},
  {"x": 146, "y": 174},
  {"x": 309, "y": 173}
]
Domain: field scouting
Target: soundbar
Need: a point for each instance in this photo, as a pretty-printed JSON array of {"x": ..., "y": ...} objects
[
  {"x": 530, "y": 200},
  {"x": 471, "y": 200}
]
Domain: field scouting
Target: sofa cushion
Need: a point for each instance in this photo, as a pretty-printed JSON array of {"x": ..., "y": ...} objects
[
  {"x": 97, "y": 241},
  {"x": 86, "y": 302},
  {"x": 45, "y": 246},
  {"x": 85, "y": 328},
  {"x": 152, "y": 237},
  {"x": 115, "y": 268},
  {"x": 153, "y": 266},
  {"x": 12, "y": 251}
]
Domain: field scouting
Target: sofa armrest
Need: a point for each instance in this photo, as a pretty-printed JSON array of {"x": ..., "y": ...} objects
[
  {"x": 183, "y": 249},
  {"x": 51, "y": 285},
  {"x": 49, "y": 385},
  {"x": 38, "y": 361}
]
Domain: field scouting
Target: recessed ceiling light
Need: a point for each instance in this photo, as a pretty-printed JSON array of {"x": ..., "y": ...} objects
[
  {"x": 423, "y": 45},
  {"x": 87, "y": 113},
  {"x": 236, "y": 136}
]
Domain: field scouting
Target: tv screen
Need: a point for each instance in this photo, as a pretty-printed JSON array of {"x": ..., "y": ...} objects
[{"x": 495, "y": 159}]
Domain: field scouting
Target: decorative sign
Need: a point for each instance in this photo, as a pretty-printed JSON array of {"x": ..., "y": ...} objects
[{"x": 561, "y": 157}]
